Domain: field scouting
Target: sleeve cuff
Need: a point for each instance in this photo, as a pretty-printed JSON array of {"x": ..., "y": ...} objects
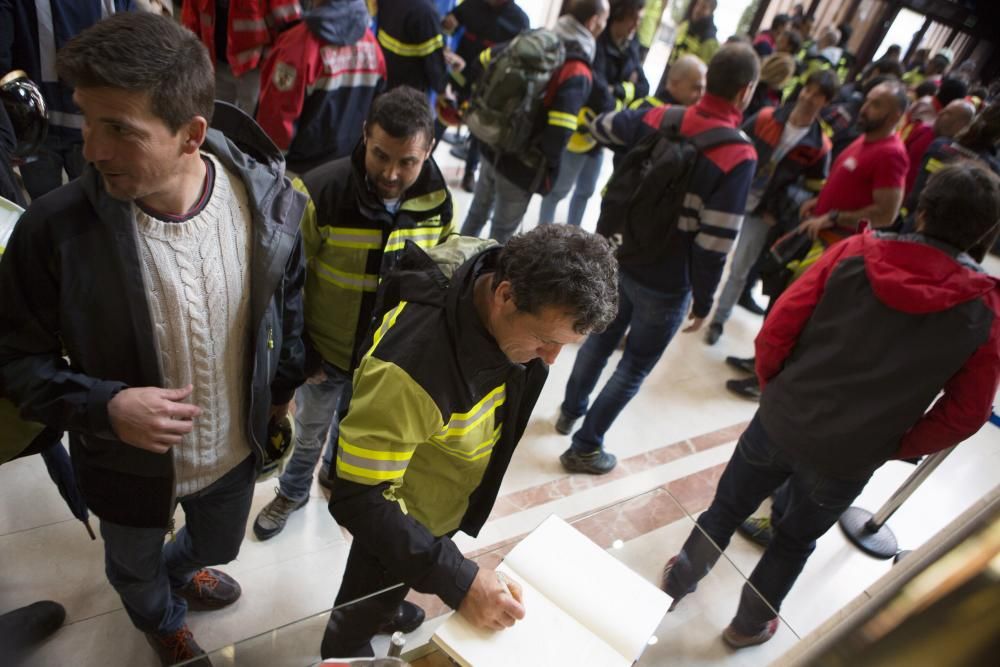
[
  {"x": 464, "y": 577},
  {"x": 97, "y": 408}
]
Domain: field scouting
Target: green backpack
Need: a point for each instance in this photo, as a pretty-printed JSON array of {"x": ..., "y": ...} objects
[{"x": 505, "y": 110}]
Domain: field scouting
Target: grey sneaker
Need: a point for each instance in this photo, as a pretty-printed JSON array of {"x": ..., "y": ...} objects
[
  {"x": 594, "y": 463},
  {"x": 272, "y": 518}
]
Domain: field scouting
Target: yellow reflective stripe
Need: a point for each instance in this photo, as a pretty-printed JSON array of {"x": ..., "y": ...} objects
[
  {"x": 425, "y": 237},
  {"x": 815, "y": 184},
  {"x": 485, "y": 56},
  {"x": 359, "y": 282},
  {"x": 387, "y": 323},
  {"x": 364, "y": 473},
  {"x": 649, "y": 99},
  {"x": 425, "y": 202},
  {"x": 934, "y": 165},
  {"x": 629, "y": 91},
  {"x": 462, "y": 423},
  {"x": 562, "y": 119},
  {"x": 349, "y": 237},
  {"x": 458, "y": 77},
  {"x": 373, "y": 454},
  {"x": 410, "y": 50},
  {"x": 477, "y": 452}
]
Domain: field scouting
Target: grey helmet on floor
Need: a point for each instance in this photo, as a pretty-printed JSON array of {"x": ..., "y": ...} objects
[{"x": 27, "y": 111}]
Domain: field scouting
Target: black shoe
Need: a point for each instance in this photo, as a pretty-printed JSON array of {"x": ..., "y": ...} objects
[
  {"x": 746, "y": 301},
  {"x": 469, "y": 181},
  {"x": 758, "y": 530},
  {"x": 22, "y": 628},
  {"x": 210, "y": 589},
  {"x": 565, "y": 423},
  {"x": 744, "y": 365},
  {"x": 324, "y": 477},
  {"x": 748, "y": 388},
  {"x": 663, "y": 583},
  {"x": 594, "y": 463},
  {"x": 408, "y": 618},
  {"x": 713, "y": 334},
  {"x": 178, "y": 646}
]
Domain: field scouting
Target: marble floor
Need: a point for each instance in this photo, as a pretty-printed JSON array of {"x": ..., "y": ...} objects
[{"x": 675, "y": 437}]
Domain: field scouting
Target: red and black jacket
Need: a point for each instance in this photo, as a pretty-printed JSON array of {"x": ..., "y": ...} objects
[
  {"x": 856, "y": 350},
  {"x": 318, "y": 83},
  {"x": 714, "y": 206},
  {"x": 809, "y": 159}
]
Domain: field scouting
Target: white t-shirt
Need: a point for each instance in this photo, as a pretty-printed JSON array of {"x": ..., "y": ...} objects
[{"x": 392, "y": 205}]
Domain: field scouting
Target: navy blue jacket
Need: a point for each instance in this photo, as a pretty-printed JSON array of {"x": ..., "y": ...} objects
[
  {"x": 484, "y": 26},
  {"x": 713, "y": 209},
  {"x": 409, "y": 32},
  {"x": 30, "y": 42}
]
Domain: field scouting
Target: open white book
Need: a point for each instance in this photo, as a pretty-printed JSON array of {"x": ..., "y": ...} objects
[{"x": 582, "y": 608}]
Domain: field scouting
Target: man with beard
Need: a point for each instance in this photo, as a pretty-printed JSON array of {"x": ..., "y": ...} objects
[
  {"x": 865, "y": 183},
  {"x": 867, "y": 180}
]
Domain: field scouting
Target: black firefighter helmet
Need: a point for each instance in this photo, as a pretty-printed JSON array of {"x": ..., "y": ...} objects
[{"x": 27, "y": 110}]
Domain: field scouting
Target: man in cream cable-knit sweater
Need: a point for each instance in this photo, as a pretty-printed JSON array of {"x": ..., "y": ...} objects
[{"x": 170, "y": 275}]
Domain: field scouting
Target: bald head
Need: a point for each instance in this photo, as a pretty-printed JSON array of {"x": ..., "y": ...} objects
[
  {"x": 954, "y": 118},
  {"x": 686, "y": 80}
]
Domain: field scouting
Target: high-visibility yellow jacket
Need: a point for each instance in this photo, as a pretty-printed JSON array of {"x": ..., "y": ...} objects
[
  {"x": 351, "y": 241},
  {"x": 436, "y": 414}
]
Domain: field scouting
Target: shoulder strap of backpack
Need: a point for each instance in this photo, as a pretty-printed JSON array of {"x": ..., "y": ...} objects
[
  {"x": 718, "y": 136},
  {"x": 670, "y": 123}
]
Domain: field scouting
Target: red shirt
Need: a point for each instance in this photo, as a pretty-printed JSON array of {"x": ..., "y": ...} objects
[{"x": 862, "y": 168}]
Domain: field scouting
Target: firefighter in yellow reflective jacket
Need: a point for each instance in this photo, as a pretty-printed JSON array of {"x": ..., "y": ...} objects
[
  {"x": 363, "y": 210},
  {"x": 697, "y": 35},
  {"x": 441, "y": 399}
]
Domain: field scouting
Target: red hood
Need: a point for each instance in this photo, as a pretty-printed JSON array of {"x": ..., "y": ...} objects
[{"x": 917, "y": 278}]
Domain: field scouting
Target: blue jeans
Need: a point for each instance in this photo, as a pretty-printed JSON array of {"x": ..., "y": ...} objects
[
  {"x": 651, "y": 318},
  {"x": 814, "y": 503},
  {"x": 582, "y": 169},
  {"x": 316, "y": 407},
  {"x": 143, "y": 571},
  {"x": 45, "y": 173},
  {"x": 497, "y": 195}
]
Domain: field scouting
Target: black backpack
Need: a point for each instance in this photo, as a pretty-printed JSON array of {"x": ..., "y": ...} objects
[{"x": 644, "y": 200}]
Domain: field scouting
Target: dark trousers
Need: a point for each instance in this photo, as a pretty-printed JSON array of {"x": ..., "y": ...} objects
[
  {"x": 145, "y": 573},
  {"x": 814, "y": 503},
  {"x": 353, "y": 622}
]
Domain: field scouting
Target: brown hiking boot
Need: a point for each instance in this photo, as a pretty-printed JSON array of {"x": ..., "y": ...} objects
[{"x": 177, "y": 646}]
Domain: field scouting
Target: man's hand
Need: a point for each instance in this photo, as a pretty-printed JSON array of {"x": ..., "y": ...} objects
[
  {"x": 152, "y": 418},
  {"x": 806, "y": 209},
  {"x": 449, "y": 23},
  {"x": 696, "y": 323},
  {"x": 813, "y": 226},
  {"x": 278, "y": 411},
  {"x": 319, "y": 377},
  {"x": 454, "y": 61},
  {"x": 489, "y": 605}
]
